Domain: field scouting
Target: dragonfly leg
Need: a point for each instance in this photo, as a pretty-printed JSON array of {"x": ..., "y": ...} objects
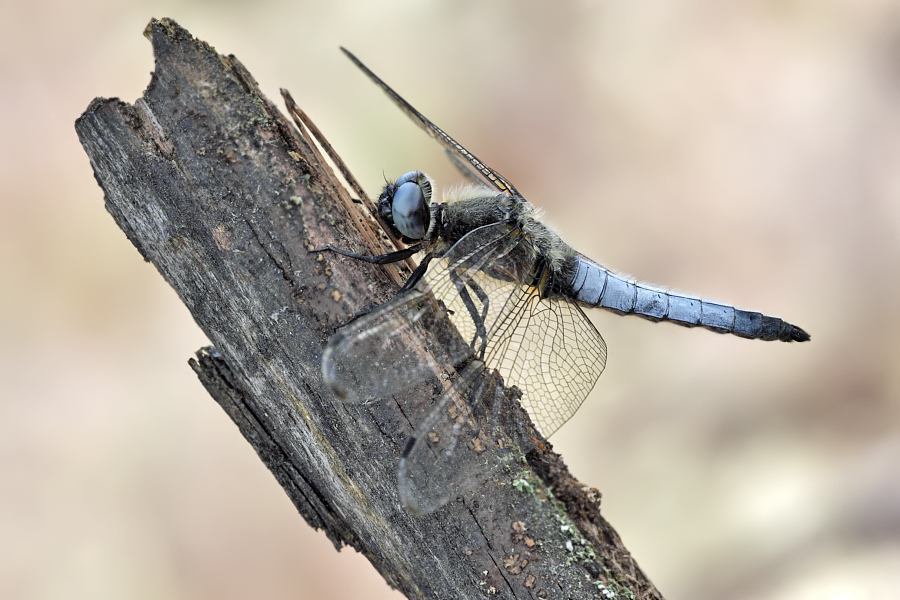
[
  {"x": 416, "y": 275},
  {"x": 408, "y": 285},
  {"x": 485, "y": 301},
  {"x": 381, "y": 259},
  {"x": 480, "y": 331}
]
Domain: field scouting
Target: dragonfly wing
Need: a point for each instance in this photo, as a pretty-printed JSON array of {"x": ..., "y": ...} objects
[
  {"x": 552, "y": 352},
  {"x": 441, "y": 459},
  {"x": 546, "y": 347},
  {"x": 405, "y": 341},
  {"x": 436, "y": 132},
  {"x": 382, "y": 352}
]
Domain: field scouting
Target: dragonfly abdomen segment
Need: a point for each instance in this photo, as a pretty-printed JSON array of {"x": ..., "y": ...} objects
[{"x": 596, "y": 286}]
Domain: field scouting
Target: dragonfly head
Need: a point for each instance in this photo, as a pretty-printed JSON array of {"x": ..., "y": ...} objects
[{"x": 406, "y": 206}]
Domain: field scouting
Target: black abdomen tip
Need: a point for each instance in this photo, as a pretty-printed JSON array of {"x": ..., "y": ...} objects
[{"x": 797, "y": 335}]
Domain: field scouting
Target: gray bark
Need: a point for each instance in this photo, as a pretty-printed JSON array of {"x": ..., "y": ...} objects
[{"x": 225, "y": 197}]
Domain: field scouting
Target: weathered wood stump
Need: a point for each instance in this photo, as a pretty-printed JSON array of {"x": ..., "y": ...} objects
[{"x": 225, "y": 197}]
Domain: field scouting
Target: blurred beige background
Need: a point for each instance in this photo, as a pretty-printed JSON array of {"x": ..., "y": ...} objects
[{"x": 747, "y": 151}]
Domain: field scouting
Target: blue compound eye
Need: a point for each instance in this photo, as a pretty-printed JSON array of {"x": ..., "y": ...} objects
[
  {"x": 410, "y": 204},
  {"x": 410, "y": 210}
]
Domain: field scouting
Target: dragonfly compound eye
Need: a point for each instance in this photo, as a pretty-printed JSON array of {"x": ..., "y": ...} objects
[{"x": 410, "y": 207}]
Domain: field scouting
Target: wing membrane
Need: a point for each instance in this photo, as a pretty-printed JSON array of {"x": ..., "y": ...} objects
[
  {"x": 382, "y": 352},
  {"x": 441, "y": 459},
  {"x": 552, "y": 352},
  {"x": 546, "y": 347},
  {"x": 472, "y": 305},
  {"x": 497, "y": 180}
]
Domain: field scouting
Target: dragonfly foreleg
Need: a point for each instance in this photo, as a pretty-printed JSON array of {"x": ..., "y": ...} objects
[
  {"x": 477, "y": 318},
  {"x": 408, "y": 285},
  {"x": 380, "y": 259},
  {"x": 416, "y": 275},
  {"x": 485, "y": 301}
]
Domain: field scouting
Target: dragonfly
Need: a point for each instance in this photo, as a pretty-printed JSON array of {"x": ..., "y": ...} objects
[{"x": 496, "y": 294}]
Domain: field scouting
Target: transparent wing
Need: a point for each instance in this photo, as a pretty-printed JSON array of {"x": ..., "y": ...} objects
[
  {"x": 474, "y": 303},
  {"x": 441, "y": 459},
  {"x": 546, "y": 347},
  {"x": 551, "y": 351},
  {"x": 382, "y": 352},
  {"x": 436, "y": 132}
]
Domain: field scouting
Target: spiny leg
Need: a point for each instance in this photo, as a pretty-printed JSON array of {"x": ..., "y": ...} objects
[
  {"x": 380, "y": 259},
  {"x": 416, "y": 275},
  {"x": 485, "y": 301},
  {"x": 383, "y": 259},
  {"x": 480, "y": 330}
]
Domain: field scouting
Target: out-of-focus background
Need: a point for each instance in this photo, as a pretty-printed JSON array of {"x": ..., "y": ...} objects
[{"x": 746, "y": 151}]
